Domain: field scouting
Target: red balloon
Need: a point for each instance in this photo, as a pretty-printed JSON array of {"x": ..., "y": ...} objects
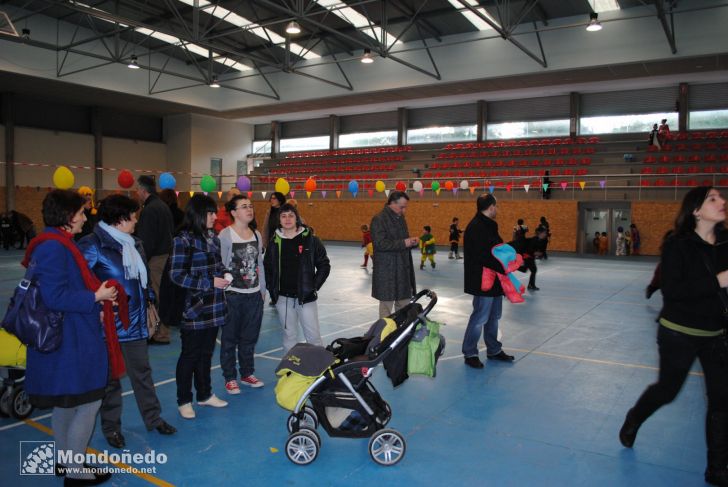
[
  {"x": 449, "y": 185},
  {"x": 125, "y": 179},
  {"x": 400, "y": 186}
]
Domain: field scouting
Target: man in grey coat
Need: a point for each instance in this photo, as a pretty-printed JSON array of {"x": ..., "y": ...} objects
[{"x": 393, "y": 279}]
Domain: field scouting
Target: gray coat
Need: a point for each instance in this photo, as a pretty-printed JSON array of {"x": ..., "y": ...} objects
[{"x": 394, "y": 275}]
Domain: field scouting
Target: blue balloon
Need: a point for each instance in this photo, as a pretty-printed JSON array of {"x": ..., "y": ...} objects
[
  {"x": 167, "y": 181},
  {"x": 353, "y": 187}
]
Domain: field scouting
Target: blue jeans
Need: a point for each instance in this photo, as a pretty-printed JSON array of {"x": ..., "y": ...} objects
[
  {"x": 241, "y": 331},
  {"x": 485, "y": 316}
]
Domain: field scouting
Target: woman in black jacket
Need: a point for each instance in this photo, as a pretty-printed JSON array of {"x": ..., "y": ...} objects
[
  {"x": 296, "y": 266},
  {"x": 693, "y": 323}
]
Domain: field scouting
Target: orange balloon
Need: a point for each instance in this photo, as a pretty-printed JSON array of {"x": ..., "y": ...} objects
[
  {"x": 310, "y": 185},
  {"x": 449, "y": 185}
]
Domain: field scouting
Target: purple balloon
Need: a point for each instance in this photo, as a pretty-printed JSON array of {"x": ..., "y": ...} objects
[{"x": 244, "y": 183}]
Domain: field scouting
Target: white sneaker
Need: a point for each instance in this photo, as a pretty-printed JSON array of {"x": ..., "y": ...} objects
[
  {"x": 214, "y": 402},
  {"x": 186, "y": 411}
]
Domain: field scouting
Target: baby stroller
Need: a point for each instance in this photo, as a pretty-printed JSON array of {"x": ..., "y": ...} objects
[
  {"x": 13, "y": 398},
  {"x": 341, "y": 397}
]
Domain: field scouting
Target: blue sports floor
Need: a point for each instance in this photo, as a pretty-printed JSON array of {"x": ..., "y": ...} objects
[{"x": 585, "y": 350}]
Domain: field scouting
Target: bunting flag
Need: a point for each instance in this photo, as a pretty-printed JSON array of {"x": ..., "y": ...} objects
[
  {"x": 437, "y": 191},
  {"x": 354, "y": 193},
  {"x": 371, "y": 192},
  {"x": 545, "y": 186},
  {"x": 219, "y": 194},
  {"x": 472, "y": 189},
  {"x": 250, "y": 195},
  {"x": 292, "y": 193},
  {"x": 455, "y": 191},
  {"x": 323, "y": 193},
  {"x": 205, "y": 192},
  {"x": 603, "y": 183},
  {"x": 564, "y": 184},
  {"x": 491, "y": 189},
  {"x": 422, "y": 192},
  {"x": 308, "y": 194},
  {"x": 264, "y": 193},
  {"x": 509, "y": 186},
  {"x": 582, "y": 184},
  {"x": 526, "y": 187},
  {"x": 338, "y": 194},
  {"x": 386, "y": 192},
  {"x": 177, "y": 192},
  {"x": 192, "y": 193}
]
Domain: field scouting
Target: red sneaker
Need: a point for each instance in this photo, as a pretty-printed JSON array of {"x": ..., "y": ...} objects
[{"x": 251, "y": 381}]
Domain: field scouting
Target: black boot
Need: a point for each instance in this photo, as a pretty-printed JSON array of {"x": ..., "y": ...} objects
[
  {"x": 628, "y": 433},
  {"x": 716, "y": 436}
]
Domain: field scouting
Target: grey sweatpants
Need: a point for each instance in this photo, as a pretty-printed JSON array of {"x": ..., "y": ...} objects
[{"x": 291, "y": 314}]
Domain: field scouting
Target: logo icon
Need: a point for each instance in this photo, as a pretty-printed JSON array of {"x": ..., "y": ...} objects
[{"x": 37, "y": 457}]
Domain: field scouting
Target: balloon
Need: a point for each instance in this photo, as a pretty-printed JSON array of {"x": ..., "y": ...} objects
[
  {"x": 125, "y": 179},
  {"x": 244, "y": 183},
  {"x": 167, "y": 181},
  {"x": 417, "y": 186},
  {"x": 464, "y": 184},
  {"x": 435, "y": 186},
  {"x": 449, "y": 186},
  {"x": 282, "y": 186},
  {"x": 353, "y": 187},
  {"x": 379, "y": 186},
  {"x": 400, "y": 186},
  {"x": 63, "y": 178},
  {"x": 208, "y": 184},
  {"x": 310, "y": 185}
]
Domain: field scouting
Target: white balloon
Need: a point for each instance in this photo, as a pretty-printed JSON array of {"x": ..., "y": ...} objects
[
  {"x": 464, "y": 184},
  {"x": 417, "y": 186}
]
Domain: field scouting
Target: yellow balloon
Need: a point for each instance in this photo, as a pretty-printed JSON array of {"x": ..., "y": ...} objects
[
  {"x": 63, "y": 178},
  {"x": 282, "y": 186},
  {"x": 379, "y": 186}
]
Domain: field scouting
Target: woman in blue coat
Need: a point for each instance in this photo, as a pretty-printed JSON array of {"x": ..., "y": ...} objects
[
  {"x": 113, "y": 253},
  {"x": 71, "y": 379}
]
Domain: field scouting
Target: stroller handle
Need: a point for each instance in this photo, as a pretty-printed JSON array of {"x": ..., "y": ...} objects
[{"x": 433, "y": 301}]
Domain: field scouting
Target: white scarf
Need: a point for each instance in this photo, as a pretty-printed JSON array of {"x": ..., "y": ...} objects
[{"x": 134, "y": 267}]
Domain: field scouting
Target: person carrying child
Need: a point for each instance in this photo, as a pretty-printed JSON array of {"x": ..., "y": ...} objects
[
  {"x": 454, "y": 239},
  {"x": 427, "y": 246},
  {"x": 366, "y": 243}
]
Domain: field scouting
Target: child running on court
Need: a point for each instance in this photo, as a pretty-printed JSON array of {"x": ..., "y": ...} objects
[
  {"x": 427, "y": 245},
  {"x": 454, "y": 239},
  {"x": 366, "y": 243}
]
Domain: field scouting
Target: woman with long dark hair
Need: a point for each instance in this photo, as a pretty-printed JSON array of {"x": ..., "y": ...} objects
[
  {"x": 196, "y": 265},
  {"x": 692, "y": 323}
]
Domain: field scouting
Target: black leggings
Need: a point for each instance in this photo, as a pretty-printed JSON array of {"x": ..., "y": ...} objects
[
  {"x": 677, "y": 354},
  {"x": 454, "y": 247}
]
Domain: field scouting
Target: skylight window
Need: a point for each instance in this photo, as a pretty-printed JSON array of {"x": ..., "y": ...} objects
[
  {"x": 479, "y": 23},
  {"x": 355, "y": 18},
  {"x": 239, "y": 21},
  {"x": 605, "y": 5}
]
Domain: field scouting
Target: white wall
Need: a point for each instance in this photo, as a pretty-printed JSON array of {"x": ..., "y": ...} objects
[
  {"x": 47, "y": 147},
  {"x": 131, "y": 154},
  {"x": 178, "y": 139},
  {"x": 217, "y": 138}
]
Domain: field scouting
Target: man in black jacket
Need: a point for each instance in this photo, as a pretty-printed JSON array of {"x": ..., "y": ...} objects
[
  {"x": 155, "y": 229},
  {"x": 481, "y": 235}
]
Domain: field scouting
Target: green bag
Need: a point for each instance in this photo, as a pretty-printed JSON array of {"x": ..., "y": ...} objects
[{"x": 424, "y": 349}]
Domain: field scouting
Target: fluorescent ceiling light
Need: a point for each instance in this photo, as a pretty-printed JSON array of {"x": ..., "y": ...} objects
[
  {"x": 238, "y": 21},
  {"x": 367, "y": 57},
  {"x": 293, "y": 28},
  {"x": 479, "y": 23},
  {"x": 133, "y": 64},
  {"x": 341, "y": 10},
  {"x": 214, "y": 83},
  {"x": 594, "y": 25},
  {"x": 605, "y": 5}
]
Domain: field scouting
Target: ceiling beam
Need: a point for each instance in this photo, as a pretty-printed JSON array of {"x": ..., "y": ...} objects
[{"x": 668, "y": 29}]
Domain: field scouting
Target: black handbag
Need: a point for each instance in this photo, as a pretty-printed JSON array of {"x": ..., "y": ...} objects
[{"x": 28, "y": 318}]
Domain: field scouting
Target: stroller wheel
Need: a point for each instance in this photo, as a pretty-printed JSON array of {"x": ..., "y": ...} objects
[
  {"x": 387, "y": 447},
  {"x": 21, "y": 407},
  {"x": 6, "y": 402},
  {"x": 310, "y": 420},
  {"x": 302, "y": 447}
]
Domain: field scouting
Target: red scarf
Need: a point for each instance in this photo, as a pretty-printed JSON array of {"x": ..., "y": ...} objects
[{"x": 116, "y": 359}]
